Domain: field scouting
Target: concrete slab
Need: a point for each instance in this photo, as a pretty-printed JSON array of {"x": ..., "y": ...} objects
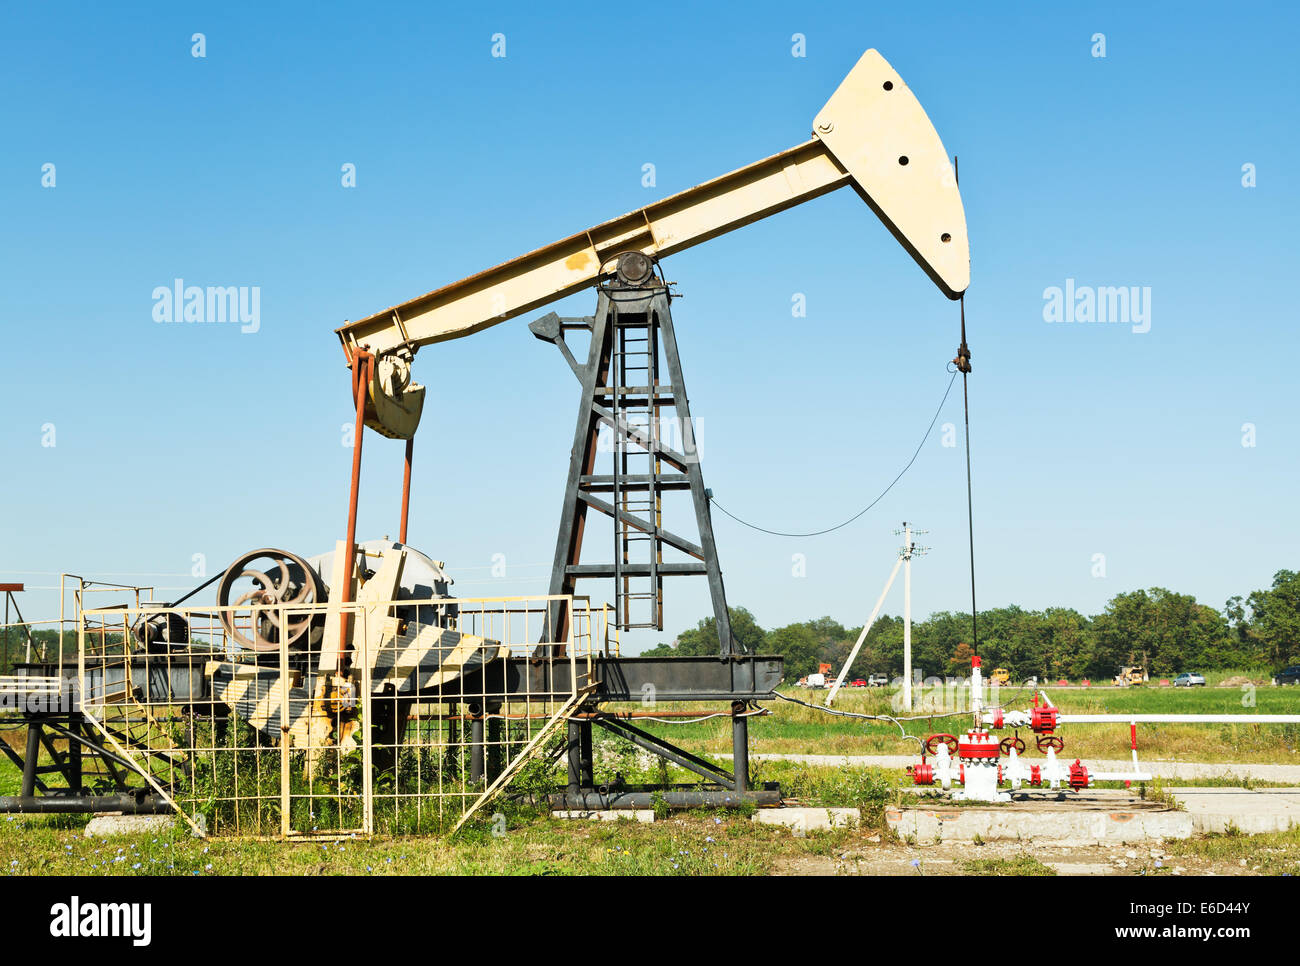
[
  {"x": 1094, "y": 817},
  {"x": 1104, "y": 817},
  {"x": 103, "y": 826},
  {"x": 1249, "y": 810},
  {"x": 804, "y": 820},
  {"x": 644, "y": 815}
]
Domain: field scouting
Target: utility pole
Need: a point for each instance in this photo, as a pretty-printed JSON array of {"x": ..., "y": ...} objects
[{"x": 906, "y": 553}]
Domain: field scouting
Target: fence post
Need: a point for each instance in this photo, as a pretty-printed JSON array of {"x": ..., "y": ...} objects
[
  {"x": 367, "y": 732},
  {"x": 284, "y": 730}
]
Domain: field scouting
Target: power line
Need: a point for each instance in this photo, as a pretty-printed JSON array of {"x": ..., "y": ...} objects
[{"x": 839, "y": 526}]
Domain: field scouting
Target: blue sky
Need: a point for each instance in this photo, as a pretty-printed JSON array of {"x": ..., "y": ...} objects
[{"x": 172, "y": 440}]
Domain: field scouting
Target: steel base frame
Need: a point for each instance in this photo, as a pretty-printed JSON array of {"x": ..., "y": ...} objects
[{"x": 37, "y": 794}]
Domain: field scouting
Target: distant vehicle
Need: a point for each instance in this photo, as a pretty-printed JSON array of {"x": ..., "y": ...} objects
[
  {"x": 877, "y": 680},
  {"x": 817, "y": 680},
  {"x": 1131, "y": 674},
  {"x": 1000, "y": 676},
  {"x": 859, "y": 683},
  {"x": 1189, "y": 679},
  {"x": 1288, "y": 675}
]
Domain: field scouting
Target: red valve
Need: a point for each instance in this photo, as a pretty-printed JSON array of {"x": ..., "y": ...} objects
[
  {"x": 997, "y": 719},
  {"x": 977, "y": 744},
  {"x": 1043, "y": 720},
  {"x": 1078, "y": 776},
  {"x": 1055, "y": 742},
  {"x": 1035, "y": 775},
  {"x": 932, "y": 743},
  {"x": 1012, "y": 741},
  {"x": 923, "y": 774}
]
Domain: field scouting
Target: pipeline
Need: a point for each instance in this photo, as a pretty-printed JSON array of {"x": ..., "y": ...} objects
[{"x": 127, "y": 804}]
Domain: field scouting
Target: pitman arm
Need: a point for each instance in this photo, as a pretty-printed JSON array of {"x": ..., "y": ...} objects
[{"x": 872, "y": 134}]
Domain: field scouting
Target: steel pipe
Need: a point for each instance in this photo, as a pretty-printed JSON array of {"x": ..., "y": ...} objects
[
  {"x": 63, "y": 804},
  {"x": 1179, "y": 718},
  {"x": 593, "y": 800}
]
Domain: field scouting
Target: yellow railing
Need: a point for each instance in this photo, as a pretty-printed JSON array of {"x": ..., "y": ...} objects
[{"x": 421, "y": 724}]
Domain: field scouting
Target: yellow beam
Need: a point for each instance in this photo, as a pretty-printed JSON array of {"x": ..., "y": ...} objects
[{"x": 872, "y": 134}]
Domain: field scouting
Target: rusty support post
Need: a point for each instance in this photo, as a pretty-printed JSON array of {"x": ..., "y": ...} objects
[
  {"x": 406, "y": 490},
  {"x": 362, "y": 363}
]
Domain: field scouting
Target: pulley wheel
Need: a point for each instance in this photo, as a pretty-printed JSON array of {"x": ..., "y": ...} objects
[{"x": 264, "y": 581}]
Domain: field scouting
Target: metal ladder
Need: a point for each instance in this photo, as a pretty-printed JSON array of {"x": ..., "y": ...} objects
[
  {"x": 633, "y": 373},
  {"x": 634, "y": 378}
]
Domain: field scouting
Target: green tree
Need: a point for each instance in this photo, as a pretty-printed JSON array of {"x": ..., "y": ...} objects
[
  {"x": 935, "y": 639},
  {"x": 1170, "y": 632},
  {"x": 702, "y": 639},
  {"x": 881, "y": 652},
  {"x": 1272, "y": 629},
  {"x": 1066, "y": 648},
  {"x": 799, "y": 645}
]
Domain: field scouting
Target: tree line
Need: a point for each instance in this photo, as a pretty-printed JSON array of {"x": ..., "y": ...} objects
[{"x": 1168, "y": 632}]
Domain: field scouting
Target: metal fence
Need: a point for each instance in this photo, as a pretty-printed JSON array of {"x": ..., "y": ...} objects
[
  {"x": 40, "y": 719},
  {"x": 422, "y": 717}
]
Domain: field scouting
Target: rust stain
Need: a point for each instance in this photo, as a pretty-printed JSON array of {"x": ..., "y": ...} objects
[{"x": 578, "y": 262}]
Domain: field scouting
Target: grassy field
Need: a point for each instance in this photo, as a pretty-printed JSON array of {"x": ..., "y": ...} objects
[
  {"x": 684, "y": 845},
  {"x": 794, "y": 729},
  {"x": 724, "y": 843}
]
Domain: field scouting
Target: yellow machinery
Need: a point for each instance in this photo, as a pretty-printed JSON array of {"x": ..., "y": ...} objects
[
  {"x": 1000, "y": 676},
  {"x": 1131, "y": 674}
]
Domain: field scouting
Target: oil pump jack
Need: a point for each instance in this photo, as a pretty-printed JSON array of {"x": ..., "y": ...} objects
[{"x": 873, "y": 136}]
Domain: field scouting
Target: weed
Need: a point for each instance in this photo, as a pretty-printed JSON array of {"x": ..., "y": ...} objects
[{"x": 1022, "y": 864}]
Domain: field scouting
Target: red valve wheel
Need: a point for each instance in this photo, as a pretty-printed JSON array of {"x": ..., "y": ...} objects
[
  {"x": 1012, "y": 741},
  {"x": 932, "y": 743},
  {"x": 1055, "y": 742}
]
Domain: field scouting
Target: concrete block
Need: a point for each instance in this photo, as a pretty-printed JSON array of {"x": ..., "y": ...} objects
[
  {"x": 103, "y": 826},
  {"x": 1061, "y": 824},
  {"x": 804, "y": 820},
  {"x": 1249, "y": 810}
]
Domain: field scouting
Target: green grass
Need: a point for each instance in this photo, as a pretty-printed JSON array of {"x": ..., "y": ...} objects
[
  {"x": 1023, "y": 864},
  {"x": 699, "y": 844},
  {"x": 11, "y": 779},
  {"x": 794, "y": 729},
  {"x": 532, "y": 842},
  {"x": 1275, "y": 853}
]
